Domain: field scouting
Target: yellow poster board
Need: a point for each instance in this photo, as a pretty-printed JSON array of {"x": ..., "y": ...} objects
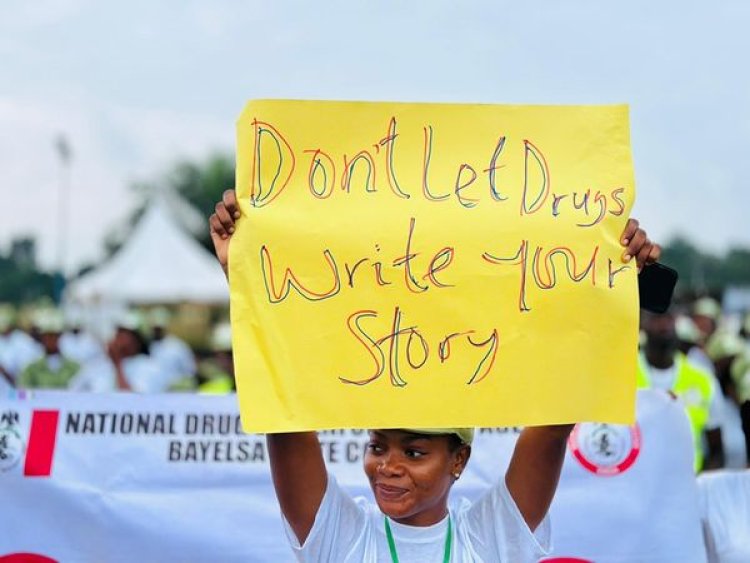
[{"x": 432, "y": 265}]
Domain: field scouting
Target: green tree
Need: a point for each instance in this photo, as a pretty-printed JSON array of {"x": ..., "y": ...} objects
[
  {"x": 199, "y": 183},
  {"x": 202, "y": 184},
  {"x": 20, "y": 280},
  {"x": 704, "y": 272},
  {"x": 736, "y": 266}
]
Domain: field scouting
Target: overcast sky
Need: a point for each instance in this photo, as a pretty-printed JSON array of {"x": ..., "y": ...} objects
[{"x": 136, "y": 85}]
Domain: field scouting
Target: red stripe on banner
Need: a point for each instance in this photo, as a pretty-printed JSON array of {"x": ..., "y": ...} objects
[{"x": 41, "y": 447}]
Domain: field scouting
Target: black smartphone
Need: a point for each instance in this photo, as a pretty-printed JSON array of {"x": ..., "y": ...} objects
[{"x": 655, "y": 287}]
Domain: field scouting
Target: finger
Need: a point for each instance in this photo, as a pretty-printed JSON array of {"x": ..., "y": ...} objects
[
  {"x": 654, "y": 255},
  {"x": 635, "y": 244},
  {"x": 216, "y": 227},
  {"x": 229, "y": 197},
  {"x": 643, "y": 254},
  {"x": 630, "y": 230},
  {"x": 222, "y": 213}
]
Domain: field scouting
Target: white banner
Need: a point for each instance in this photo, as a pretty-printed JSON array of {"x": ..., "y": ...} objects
[{"x": 156, "y": 478}]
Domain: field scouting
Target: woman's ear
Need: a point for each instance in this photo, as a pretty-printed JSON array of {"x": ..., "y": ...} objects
[{"x": 462, "y": 455}]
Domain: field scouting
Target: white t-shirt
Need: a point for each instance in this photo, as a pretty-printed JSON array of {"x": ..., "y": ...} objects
[
  {"x": 489, "y": 530},
  {"x": 18, "y": 350},
  {"x": 81, "y": 347},
  {"x": 732, "y": 435},
  {"x": 175, "y": 357},
  {"x": 698, "y": 357},
  {"x": 142, "y": 373},
  {"x": 662, "y": 378},
  {"x": 5, "y": 387}
]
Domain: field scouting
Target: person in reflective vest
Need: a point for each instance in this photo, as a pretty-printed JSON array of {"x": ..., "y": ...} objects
[
  {"x": 216, "y": 374},
  {"x": 662, "y": 366}
]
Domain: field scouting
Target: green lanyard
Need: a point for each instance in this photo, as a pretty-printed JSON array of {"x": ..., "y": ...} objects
[{"x": 392, "y": 544}]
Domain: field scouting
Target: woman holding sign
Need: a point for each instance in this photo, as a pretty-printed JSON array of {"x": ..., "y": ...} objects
[{"x": 411, "y": 472}]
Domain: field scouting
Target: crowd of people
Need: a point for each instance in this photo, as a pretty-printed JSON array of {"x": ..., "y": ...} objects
[
  {"x": 692, "y": 351},
  {"x": 142, "y": 356},
  {"x": 703, "y": 358}
]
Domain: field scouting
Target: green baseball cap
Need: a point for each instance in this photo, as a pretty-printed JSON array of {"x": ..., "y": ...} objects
[
  {"x": 740, "y": 372},
  {"x": 707, "y": 307},
  {"x": 134, "y": 321},
  {"x": 49, "y": 321},
  {"x": 466, "y": 435},
  {"x": 159, "y": 317},
  {"x": 7, "y": 316},
  {"x": 724, "y": 345},
  {"x": 221, "y": 338}
]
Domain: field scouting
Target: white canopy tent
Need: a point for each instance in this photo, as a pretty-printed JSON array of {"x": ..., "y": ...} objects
[{"x": 159, "y": 263}]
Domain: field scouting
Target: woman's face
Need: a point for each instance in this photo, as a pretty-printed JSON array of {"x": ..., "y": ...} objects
[{"x": 411, "y": 474}]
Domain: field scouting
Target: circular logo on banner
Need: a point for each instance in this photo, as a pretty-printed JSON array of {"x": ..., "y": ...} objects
[
  {"x": 605, "y": 449},
  {"x": 11, "y": 447}
]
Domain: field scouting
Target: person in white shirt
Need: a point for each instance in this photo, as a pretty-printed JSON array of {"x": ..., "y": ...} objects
[
  {"x": 411, "y": 472},
  {"x": 662, "y": 366},
  {"x": 740, "y": 373},
  {"x": 78, "y": 344},
  {"x": 173, "y": 354},
  {"x": 705, "y": 314},
  {"x": 127, "y": 365},
  {"x": 724, "y": 348},
  {"x": 18, "y": 349},
  {"x": 7, "y": 380}
]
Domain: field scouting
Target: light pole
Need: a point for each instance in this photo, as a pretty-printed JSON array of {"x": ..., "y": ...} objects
[{"x": 65, "y": 154}]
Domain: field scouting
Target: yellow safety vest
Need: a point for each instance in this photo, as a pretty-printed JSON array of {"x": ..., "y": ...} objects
[
  {"x": 219, "y": 386},
  {"x": 693, "y": 387}
]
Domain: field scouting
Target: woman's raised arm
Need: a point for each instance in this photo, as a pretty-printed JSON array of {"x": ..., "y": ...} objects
[
  {"x": 537, "y": 460},
  {"x": 297, "y": 466}
]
